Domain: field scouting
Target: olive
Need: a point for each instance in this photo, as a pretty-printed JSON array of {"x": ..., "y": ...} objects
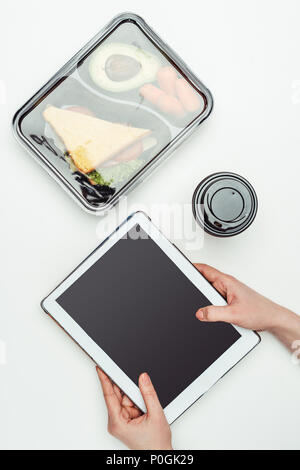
[{"x": 121, "y": 67}]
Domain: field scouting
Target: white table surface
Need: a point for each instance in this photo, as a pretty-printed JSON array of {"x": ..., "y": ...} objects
[{"x": 248, "y": 55}]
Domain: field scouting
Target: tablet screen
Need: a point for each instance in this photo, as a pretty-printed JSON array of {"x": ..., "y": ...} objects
[{"x": 137, "y": 305}]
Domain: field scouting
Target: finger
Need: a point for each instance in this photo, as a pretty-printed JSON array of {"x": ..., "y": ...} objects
[
  {"x": 130, "y": 408},
  {"x": 133, "y": 412},
  {"x": 149, "y": 395},
  {"x": 214, "y": 313},
  {"x": 210, "y": 273},
  {"x": 126, "y": 401},
  {"x": 118, "y": 392},
  {"x": 219, "y": 280},
  {"x": 112, "y": 402}
]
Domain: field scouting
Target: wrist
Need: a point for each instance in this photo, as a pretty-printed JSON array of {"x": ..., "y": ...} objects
[
  {"x": 154, "y": 447},
  {"x": 283, "y": 319},
  {"x": 163, "y": 447}
]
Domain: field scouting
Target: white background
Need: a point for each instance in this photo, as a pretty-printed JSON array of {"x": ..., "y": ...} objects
[{"x": 247, "y": 53}]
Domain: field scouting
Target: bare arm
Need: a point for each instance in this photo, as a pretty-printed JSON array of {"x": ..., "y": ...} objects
[{"x": 288, "y": 328}]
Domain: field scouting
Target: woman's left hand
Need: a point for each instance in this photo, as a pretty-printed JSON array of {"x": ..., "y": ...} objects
[{"x": 138, "y": 431}]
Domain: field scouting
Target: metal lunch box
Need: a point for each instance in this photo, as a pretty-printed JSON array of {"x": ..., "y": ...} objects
[{"x": 119, "y": 107}]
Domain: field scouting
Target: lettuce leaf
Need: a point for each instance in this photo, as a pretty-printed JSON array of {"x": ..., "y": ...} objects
[{"x": 115, "y": 174}]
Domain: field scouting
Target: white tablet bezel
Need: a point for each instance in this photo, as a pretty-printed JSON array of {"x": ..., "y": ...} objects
[{"x": 209, "y": 377}]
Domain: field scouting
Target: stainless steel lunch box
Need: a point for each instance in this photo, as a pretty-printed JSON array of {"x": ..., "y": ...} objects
[{"x": 84, "y": 91}]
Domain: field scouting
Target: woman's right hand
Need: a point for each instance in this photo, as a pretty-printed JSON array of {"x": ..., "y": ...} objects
[{"x": 247, "y": 308}]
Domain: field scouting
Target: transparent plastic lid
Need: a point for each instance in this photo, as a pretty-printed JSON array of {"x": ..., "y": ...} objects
[{"x": 112, "y": 113}]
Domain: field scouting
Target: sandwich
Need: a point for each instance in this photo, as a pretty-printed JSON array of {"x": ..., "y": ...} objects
[{"x": 89, "y": 141}]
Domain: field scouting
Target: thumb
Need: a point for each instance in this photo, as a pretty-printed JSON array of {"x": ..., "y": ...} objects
[
  {"x": 149, "y": 395},
  {"x": 213, "y": 313}
]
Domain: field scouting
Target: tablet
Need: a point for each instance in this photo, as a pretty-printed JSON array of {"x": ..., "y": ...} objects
[{"x": 131, "y": 306}]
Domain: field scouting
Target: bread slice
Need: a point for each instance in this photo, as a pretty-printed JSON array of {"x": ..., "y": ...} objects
[{"x": 91, "y": 141}]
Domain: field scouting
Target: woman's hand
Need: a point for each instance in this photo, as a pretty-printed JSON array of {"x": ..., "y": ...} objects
[
  {"x": 139, "y": 431},
  {"x": 247, "y": 308}
]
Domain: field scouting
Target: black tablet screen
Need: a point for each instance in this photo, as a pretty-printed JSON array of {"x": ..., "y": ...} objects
[{"x": 140, "y": 309}]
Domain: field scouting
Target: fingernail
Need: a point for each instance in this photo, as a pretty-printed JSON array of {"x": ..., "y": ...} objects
[
  {"x": 146, "y": 379},
  {"x": 200, "y": 315}
]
